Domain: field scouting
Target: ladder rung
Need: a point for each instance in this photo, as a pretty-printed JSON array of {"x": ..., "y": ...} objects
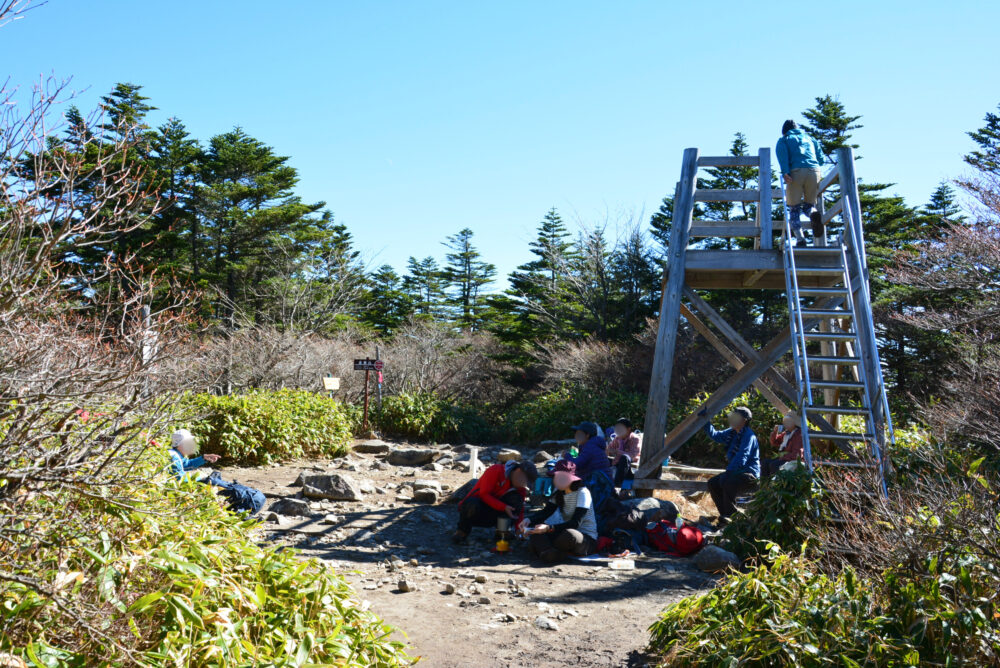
[
  {"x": 819, "y": 270},
  {"x": 839, "y": 436},
  {"x": 832, "y": 336},
  {"x": 822, "y": 292},
  {"x": 729, "y": 161},
  {"x": 837, "y": 384},
  {"x": 701, "y": 229},
  {"x": 840, "y": 410},
  {"x": 817, "y": 250},
  {"x": 831, "y": 312},
  {"x": 826, "y": 359}
]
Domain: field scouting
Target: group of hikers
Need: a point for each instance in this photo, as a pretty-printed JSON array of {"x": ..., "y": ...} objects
[{"x": 592, "y": 471}]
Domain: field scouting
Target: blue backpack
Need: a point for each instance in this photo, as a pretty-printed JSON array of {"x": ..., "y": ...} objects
[{"x": 239, "y": 497}]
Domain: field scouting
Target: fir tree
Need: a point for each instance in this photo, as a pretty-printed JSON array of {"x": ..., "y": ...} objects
[
  {"x": 387, "y": 305},
  {"x": 831, "y": 125},
  {"x": 424, "y": 283},
  {"x": 468, "y": 275}
]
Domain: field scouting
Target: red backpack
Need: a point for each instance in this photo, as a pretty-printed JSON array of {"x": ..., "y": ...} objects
[{"x": 683, "y": 542}]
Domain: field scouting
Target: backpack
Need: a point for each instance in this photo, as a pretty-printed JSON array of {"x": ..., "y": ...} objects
[
  {"x": 683, "y": 542},
  {"x": 240, "y": 498}
]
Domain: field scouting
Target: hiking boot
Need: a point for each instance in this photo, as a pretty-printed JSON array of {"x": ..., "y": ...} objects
[
  {"x": 816, "y": 218},
  {"x": 459, "y": 537}
]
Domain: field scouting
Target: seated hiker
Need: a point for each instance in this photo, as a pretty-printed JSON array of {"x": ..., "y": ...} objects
[
  {"x": 567, "y": 525},
  {"x": 182, "y": 447},
  {"x": 787, "y": 438},
  {"x": 591, "y": 456},
  {"x": 800, "y": 157},
  {"x": 501, "y": 490},
  {"x": 624, "y": 450},
  {"x": 742, "y": 472}
]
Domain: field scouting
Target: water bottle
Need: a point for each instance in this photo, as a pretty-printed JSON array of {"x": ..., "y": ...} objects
[{"x": 678, "y": 522}]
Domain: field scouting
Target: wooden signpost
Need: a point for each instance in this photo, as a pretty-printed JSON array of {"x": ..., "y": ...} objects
[{"x": 368, "y": 365}]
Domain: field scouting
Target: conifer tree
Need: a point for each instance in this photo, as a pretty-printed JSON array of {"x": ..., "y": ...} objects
[{"x": 468, "y": 276}]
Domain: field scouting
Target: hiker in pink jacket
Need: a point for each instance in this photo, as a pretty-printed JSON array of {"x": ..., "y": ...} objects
[{"x": 624, "y": 450}]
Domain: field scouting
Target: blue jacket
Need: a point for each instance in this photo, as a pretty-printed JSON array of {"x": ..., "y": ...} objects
[
  {"x": 742, "y": 449},
  {"x": 179, "y": 463},
  {"x": 797, "y": 150},
  {"x": 593, "y": 457}
]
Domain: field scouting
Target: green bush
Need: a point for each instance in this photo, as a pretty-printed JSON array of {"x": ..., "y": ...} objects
[
  {"x": 780, "y": 513},
  {"x": 550, "y": 415},
  {"x": 790, "y": 614},
  {"x": 426, "y": 417},
  {"x": 264, "y": 426},
  {"x": 176, "y": 580}
]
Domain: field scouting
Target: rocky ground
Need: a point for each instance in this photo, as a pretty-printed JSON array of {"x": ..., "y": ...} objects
[{"x": 382, "y": 517}]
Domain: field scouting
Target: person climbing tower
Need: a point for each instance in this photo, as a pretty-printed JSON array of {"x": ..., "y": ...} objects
[{"x": 800, "y": 157}]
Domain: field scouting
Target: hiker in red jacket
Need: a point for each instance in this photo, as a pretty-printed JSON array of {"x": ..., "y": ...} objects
[
  {"x": 787, "y": 438},
  {"x": 500, "y": 491}
]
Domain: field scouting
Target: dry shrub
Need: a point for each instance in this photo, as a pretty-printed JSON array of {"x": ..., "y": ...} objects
[{"x": 422, "y": 357}]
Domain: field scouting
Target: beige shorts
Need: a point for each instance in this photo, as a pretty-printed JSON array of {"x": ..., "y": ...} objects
[{"x": 804, "y": 186}]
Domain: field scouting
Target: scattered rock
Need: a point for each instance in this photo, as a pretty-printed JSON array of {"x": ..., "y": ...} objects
[
  {"x": 433, "y": 466},
  {"x": 508, "y": 455},
  {"x": 481, "y": 579},
  {"x": 546, "y": 624},
  {"x": 331, "y": 486},
  {"x": 411, "y": 456},
  {"x": 434, "y": 516},
  {"x": 414, "y": 562},
  {"x": 425, "y": 496},
  {"x": 292, "y": 507},
  {"x": 365, "y": 537},
  {"x": 405, "y": 585},
  {"x": 541, "y": 457},
  {"x": 298, "y": 481},
  {"x": 367, "y": 487},
  {"x": 420, "y": 484},
  {"x": 449, "y": 588},
  {"x": 272, "y": 517},
  {"x": 485, "y": 600},
  {"x": 714, "y": 559},
  {"x": 373, "y": 447},
  {"x": 447, "y": 460},
  {"x": 330, "y": 519}
]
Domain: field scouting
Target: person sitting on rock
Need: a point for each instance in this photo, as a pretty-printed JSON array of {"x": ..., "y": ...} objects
[
  {"x": 742, "y": 472},
  {"x": 501, "y": 490},
  {"x": 182, "y": 447},
  {"x": 787, "y": 438},
  {"x": 624, "y": 450},
  {"x": 567, "y": 525},
  {"x": 591, "y": 455}
]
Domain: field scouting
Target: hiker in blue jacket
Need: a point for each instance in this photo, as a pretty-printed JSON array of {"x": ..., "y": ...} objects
[
  {"x": 800, "y": 157},
  {"x": 592, "y": 451},
  {"x": 742, "y": 472},
  {"x": 182, "y": 447}
]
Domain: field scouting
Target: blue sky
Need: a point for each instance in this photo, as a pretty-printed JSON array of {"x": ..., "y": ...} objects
[{"x": 415, "y": 119}]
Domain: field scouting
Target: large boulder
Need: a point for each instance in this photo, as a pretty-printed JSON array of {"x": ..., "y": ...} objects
[
  {"x": 713, "y": 559},
  {"x": 372, "y": 447},
  {"x": 411, "y": 456},
  {"x": 333, "y": 486},
  {"x": 508, "y": 455},
  {"x": 291, "y": 507}
]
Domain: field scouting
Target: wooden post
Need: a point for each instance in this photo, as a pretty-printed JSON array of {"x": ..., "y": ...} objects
[
  {"x": 473, "y": 461},
  {"x": 764, "y": 209},
  {"x": 364, "y": 426},
  {"x": 658, "y": 404}
]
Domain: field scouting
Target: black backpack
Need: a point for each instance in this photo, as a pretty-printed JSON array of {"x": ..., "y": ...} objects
[{"x": 240, "y": 498}]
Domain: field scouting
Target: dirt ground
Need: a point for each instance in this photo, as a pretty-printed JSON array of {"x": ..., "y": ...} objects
[{"x": 505, "y": 610}]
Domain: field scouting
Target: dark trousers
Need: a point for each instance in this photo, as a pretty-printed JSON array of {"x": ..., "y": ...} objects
[
  {"x": 474, "y": 512},
  {"x": 726, "y": 486},
  {"x": 623, "y": 471},
  {"x": 557, "y": 545},
  {"x": 769, "y": 467}
]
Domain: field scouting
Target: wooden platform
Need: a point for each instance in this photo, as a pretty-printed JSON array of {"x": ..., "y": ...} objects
[{"x": 750, "y": 269}]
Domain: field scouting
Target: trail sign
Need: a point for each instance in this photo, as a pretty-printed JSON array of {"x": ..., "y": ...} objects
[
  {"x": 331, "y": 383},
  {"x": 368, "y": 364}
]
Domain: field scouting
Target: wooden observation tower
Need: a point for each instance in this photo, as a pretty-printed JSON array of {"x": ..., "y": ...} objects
[{"x": 830, "y": 336}]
